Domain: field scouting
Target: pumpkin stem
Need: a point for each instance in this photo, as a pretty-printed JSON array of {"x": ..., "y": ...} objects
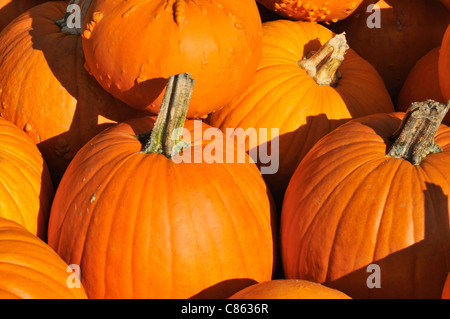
[
  {"x": 323, "y": 65},
  {"x": 415, "y": 138},
  {"x": 74, "y": 29},
  {"x": 166, "y": 136}
]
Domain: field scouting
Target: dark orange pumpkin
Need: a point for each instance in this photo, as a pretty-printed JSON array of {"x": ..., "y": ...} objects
[
  {"x": 45, "y": 90},
  {"x": 11, "y": 9},
  {"x": 142, "y": 223},
  {"x": 444, "y": 65},
  {"x": 132, "y": 47},
  {"x": 26, "y": 186},
  {"x": 359, "y": 200},
  {"x": 446, "y": 290},
  {"x": 30, "y": 269}
]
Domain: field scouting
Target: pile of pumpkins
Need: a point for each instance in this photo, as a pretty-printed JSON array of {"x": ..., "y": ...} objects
[{"x": 100, "y": 100}]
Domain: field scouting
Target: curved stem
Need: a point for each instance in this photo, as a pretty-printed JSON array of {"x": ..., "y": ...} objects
[
  {"x": 166, "y": 136},
  {"x": 415, "y": 138},
  {"x": 323, "y": 66},
  {"x": 76, "y": 11}
]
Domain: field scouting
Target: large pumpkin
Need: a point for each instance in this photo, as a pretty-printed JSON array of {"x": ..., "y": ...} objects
[
  {"x": 444, "y": 65},
  {"x": 26, "y": 186},
  {"x": 313, "y": 10},
  {"x": 370, "y": 217},
  {"x": 30, "y": 269},
  {"x": 11, "y": 9},
  {"x": 45, "y": 90},
  {"x": 407, "y": 30},
  {"x": 132, "y": 47},
  {"x": 301, "y": 105},
  {"x": 289, "y": 289},
  {"x": 143, "y": 223}
]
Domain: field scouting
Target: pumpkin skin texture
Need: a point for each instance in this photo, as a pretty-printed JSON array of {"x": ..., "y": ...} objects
[
  {"x": 142, "y": 226},
  {"x": 313, "y": 10},
  {"x": 45, "y": 90},
  {"x": 288, "y": 289},
  {"x": 349, "y": 205},
  {"x": 444, "y": 65},
  {"x": 422, "y": 83},
  {"x": 26, "y": 186},
  {"x": 409, "y": 30},
  {"x": 30, "y": 269},
  {"x": 11, "y": 9},
  {"x": 283, "y": 96},
  {"x": 217, "y": 42}
]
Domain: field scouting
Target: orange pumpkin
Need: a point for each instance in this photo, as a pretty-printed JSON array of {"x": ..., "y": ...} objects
[
  {"x": 30, "y": 269},
  {"x": 446, "y": 290},
  {"x": 132, "y": 47},
  {"x": 284, "y": 96},
  {"x": 11, "y": 9},
  {"x": 26, "y": 187},
  {"x": 444, "y": 65},
  {"x": 370, "y": 217},
  {"x": 141, "y": 223},
  {"x": 313, "y": 10},
  {"x": 422, "y": 83},
  {"x": 289, "y": 289},
  {"x": 45, "y": 90}
]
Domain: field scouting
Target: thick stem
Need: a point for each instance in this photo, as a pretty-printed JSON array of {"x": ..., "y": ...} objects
[
  {"x": 72, "y": 23},
  {"x": 324, "y": 65},
  {"x": 415, "y": 138},
  {"x": 166, "y": 136}
]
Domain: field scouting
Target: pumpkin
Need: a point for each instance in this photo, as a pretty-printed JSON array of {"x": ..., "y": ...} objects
[
  {"x": 145, "y": 221},
  {"x": 313, "y": 10},
  {"x": 289, "y": 289},
  {"x": 422, "y": 83},
  {"x": 132, "y": 47},
  {"x": 30, "y": 269},
  {"x": 45, "y": 90},
  {"x": 446, "y": 290},
  {"x": 444, "y": 65},
  {"x": 26, "y": 186},
  {"x": 367, "y": 210},
  {"x": 11, "y": 9},
  {"x": 408, "y": 29},
  {"x": 301, "y": 105}
]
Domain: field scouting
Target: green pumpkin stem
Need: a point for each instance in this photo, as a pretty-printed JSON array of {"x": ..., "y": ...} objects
[
  {"x": 414, "y": 140},
  {"x": 323, "y": 65},
  {"x": 84, "y": 7},
  {"x": 166, "y": 136}
]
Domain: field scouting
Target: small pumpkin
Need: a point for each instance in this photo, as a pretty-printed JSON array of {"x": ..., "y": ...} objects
[
  {"x": 444, "y": 65},
  {"x": 133, "y": 47},
  {"x": 289, "y": 289},
  {"x": 45, "y": 90},
  {"x": 374, "y": 192},
  {"x": 26, "y": 186},
  {"x": 30, "y": 269},
  {"x": 11, "y": 9},
  {"x": 144, "y": 223},
  {"x": 313, "y": 10}
]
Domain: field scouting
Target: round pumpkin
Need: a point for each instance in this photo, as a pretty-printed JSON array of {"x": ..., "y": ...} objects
[
  {"x": 313, "y": 10},
  {"x": 45, "y": 90},
  {"x": 133, "y": 47},
  {"x": 143, "y": 223},
  {"x": 285, "y": 97},
  {"x": 369, "y": 216},
  {"x": 289, "y": 289},
  {"x": 446, "y": 290},
  {"x": 30, "y": 269},
  {"x": 422, "y": 83},
  {"x": 11, "y": 9},
  {"x": 395, "y": 39},
  {"x": 444, "y": 65},
  {"x": 26, "y": 186}
]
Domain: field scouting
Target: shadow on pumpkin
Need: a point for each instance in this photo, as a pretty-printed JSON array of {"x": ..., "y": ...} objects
[
  {"x": 416, "y": 272},
  {"x": 224, "y": 289}
]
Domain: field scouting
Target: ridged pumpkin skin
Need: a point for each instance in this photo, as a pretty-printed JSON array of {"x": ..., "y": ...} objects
[
  {"x": 348, "y": 205},
  {"x": 30, "y": 269},
  {"x": 142, "y": 226},
  {"x": 444, "y": 65},
  {"x": 409, "y": 29},
  {"x": 11, "y": 9},
  {"x": 283, "y": 96},
  {"x": 313, "y": 10},
  {"x": 133, "y": 47},
  {"x": 26, "y": 186},
  {"x": 289, "y": 289},
  {"x": 45, "y": 90},
  {"x": 422, "y": 83}
]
